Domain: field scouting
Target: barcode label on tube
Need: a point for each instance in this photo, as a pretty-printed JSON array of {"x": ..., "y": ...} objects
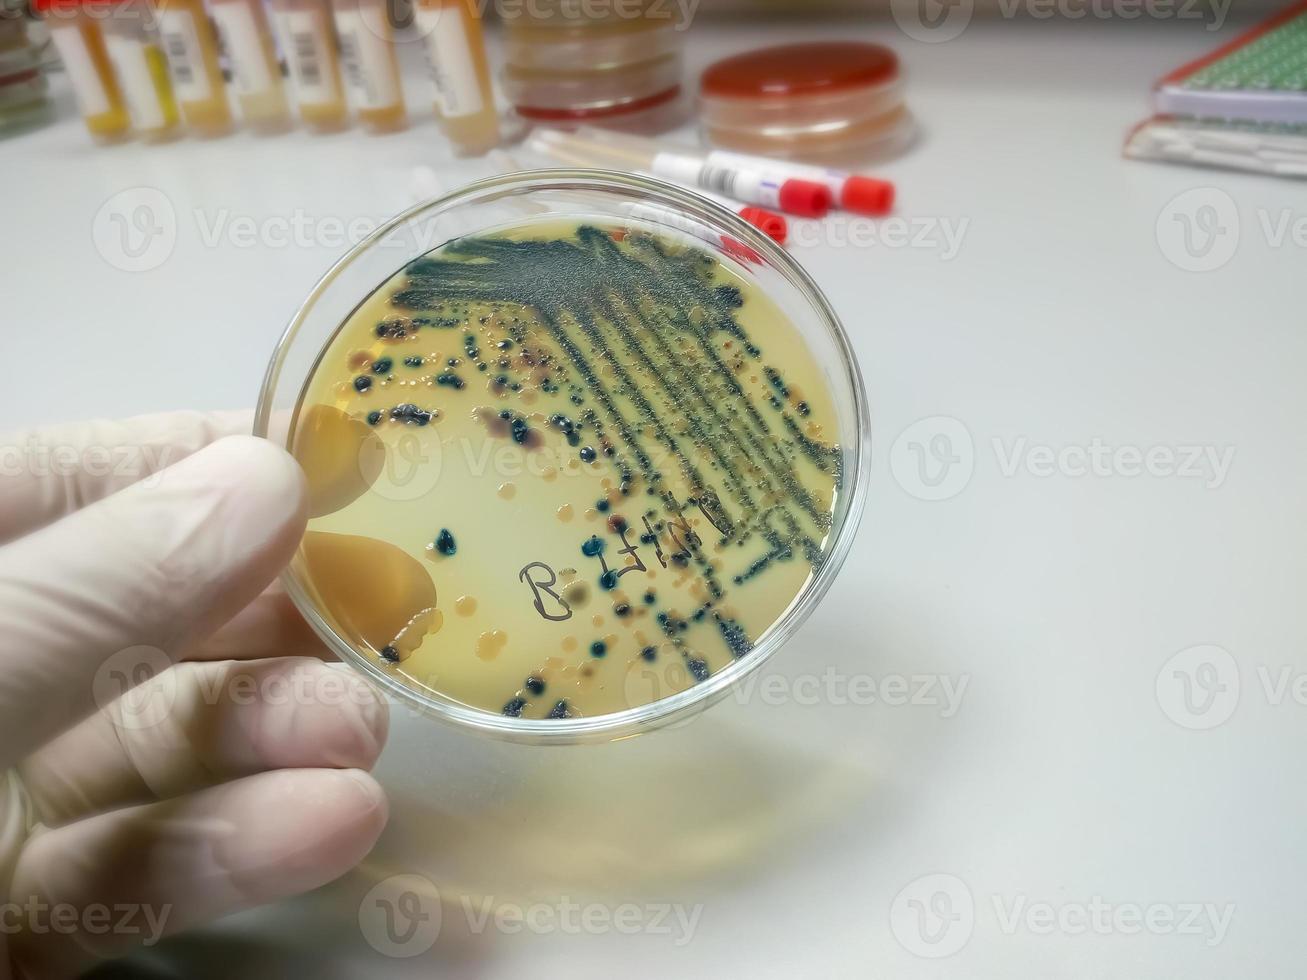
[
  {"x": 454, "y": 80},
  {"x": 366, "y": 62},
  {"x": 740, "y": 185},
  {"x": 351, "y": 67},
  {"x": 718, "y": 179},
  {"x": 177, "y": 58},
  {"x": 240, "y": 38},
  {"x": 306, "y": 56},
  {"x": 181, "y": 46},
  {"x": 304, "y": 37}
]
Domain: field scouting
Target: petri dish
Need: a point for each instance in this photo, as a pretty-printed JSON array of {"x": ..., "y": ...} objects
[
  {"x": 568, "y": 63},
  {"x": 590, "y": 94},
  {"x": 583, "y": 449},
  {"x": 656, "y": 113},
  {"x": 827, "y": 102}
]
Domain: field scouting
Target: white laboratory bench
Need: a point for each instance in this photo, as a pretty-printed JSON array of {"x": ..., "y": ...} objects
[{"x": 1065, "y": 787}]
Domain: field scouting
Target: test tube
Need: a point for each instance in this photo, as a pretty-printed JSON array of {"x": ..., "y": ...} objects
[
  {"x": 805, "y": 198},
  {"x": 368, "y": 63},
  {"x": 460, "y": 75},
  {"x": 256, "y": 75},
  {"x": 80, "y": 42},
  {"x": 853, "y": 192},
  {"x": 141, "y": 69},
  {"x": 309, "y": 42},
  {"x": 192, "y": 53},
  {"x": 771, "y": 224}
]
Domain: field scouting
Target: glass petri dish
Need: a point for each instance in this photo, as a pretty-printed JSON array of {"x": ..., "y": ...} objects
[
  {"x": 842, "y": 143},
  {"x": 502, "y": 212},
  {"x": 587, "y": 94},
  {"x": 827, "y": 102},
  {"x": 656, "y": 113},
  {"x": 569, "y": 63}
]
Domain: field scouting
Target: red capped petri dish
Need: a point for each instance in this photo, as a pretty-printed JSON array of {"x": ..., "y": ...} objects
[
  {"x": 648, "y": 114},
  {"x": 837, "y": 102}
]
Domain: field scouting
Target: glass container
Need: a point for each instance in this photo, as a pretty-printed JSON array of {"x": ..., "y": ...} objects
[{"x": 616, "y": 200}]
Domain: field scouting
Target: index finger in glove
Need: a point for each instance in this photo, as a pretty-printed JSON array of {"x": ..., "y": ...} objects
[{"x": 49, "y": 472}]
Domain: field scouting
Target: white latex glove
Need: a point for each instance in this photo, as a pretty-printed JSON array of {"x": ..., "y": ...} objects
[{"x": 225, "y": 781}]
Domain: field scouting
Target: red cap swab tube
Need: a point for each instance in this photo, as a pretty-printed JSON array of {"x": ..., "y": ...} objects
[
  {"x": 771, "y": 224},
  {"x": 852, "y": 192},
  {"x": 793, "y": 195}
]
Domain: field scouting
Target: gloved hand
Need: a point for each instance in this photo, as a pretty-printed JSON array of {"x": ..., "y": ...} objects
[{"x": 137, "y": 557}]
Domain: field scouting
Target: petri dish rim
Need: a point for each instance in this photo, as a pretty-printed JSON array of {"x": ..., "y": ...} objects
[{"x": 655, "y": 714}]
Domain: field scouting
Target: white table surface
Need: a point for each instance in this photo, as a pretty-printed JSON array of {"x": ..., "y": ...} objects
[{"x": 1065, "y": 777}]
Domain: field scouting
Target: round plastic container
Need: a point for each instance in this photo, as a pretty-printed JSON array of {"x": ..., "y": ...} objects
[
  {"x": 562, "y": 66},
  {"x": 830, "y": 102},
  {"x": 547, "y": 94},
  {"x": 516, "y": 199}
]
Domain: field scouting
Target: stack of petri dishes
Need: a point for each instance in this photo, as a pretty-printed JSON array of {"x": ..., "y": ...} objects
[
  {"x": 24, "y": 98},
  {"x": 833, "y": 103},
  {"x": 567, "y": 63}
]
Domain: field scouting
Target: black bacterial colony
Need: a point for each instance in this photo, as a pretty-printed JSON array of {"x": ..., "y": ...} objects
[{"x": 564, "y": 470}]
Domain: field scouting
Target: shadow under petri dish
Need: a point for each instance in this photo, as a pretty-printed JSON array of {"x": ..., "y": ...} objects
[{"x": 564, "y": 470}]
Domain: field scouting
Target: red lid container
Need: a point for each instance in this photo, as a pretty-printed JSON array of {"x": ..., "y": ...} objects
[{"x": 838, "y": 102}]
